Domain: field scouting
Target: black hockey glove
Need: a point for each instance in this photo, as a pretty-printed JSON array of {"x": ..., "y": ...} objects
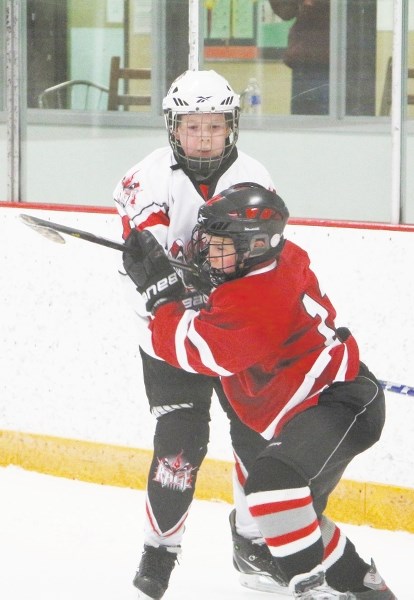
[
  {"x": 194, "y": 300},
  {"x": 149, "y": 268},
  {"x": 193, "y": 280}
]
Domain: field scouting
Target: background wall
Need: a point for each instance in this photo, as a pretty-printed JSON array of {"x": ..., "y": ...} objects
[
  {"x": 82, "y": 164},
  {"x": 337, "y": 174},
  {"x": 69, "y": 357},
  {"x": 95, "y": 35}
]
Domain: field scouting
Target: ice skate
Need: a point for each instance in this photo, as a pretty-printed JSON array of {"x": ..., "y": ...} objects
[
  {"x": 255, "y": 564},
  {"x": 154, "y": 571},
  {"x": 312, "y": 586},
  {"x": 378, "y": 589}
]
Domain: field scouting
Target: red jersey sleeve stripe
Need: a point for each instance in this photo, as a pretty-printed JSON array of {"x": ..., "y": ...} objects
[
  {"x": 157, "y": 218},
  {"x": 126, "y": 227}
]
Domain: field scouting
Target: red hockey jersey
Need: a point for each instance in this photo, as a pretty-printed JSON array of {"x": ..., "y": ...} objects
[{"x": 269, "y": 335}]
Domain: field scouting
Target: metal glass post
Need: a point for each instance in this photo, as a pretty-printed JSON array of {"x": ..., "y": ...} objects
[
  {"x": 399, "y": 110},
  {"x": 193, "y": 34},
  {"x": 337, "y": 59},
  {"x": 13, "y": 101}
]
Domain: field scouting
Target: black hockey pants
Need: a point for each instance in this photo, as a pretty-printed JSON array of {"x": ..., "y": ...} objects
[
  {"x": 313, "y": 449},
  {"x": 181, "y": 403}
]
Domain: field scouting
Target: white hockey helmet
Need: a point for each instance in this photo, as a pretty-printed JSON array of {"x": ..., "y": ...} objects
[{"x": 201, "y": 92}]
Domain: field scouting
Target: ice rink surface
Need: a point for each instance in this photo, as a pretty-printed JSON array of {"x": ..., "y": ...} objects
[{"x": 69, "y": 540}]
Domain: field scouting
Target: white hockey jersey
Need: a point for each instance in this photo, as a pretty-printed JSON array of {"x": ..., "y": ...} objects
[{"x": 156, "y": 194}]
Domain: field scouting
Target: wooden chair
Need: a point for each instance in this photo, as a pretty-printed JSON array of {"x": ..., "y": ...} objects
[
  {"x": 385, "y": 108},
  {"x": 120, "y": 75},
  {"x": 75, "y": 94}
]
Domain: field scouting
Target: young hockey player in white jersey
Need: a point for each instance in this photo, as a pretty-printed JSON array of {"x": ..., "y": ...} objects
[{"x": 162, "y": 194}]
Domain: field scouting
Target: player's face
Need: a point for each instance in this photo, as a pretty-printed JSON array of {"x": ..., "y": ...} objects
[
  {"x": 203, "y": 135},
  {"x": 221, "y": 253}
]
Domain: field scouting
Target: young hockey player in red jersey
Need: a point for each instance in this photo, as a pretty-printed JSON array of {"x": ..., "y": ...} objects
[
  {"x": 269, "y": 332},
  {"x": 162, "y": 194}
]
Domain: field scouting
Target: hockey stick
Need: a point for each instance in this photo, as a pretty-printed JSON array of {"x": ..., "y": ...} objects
[
  {"x": 398, "y": 388},
  {"x": 51, "y": 231}
]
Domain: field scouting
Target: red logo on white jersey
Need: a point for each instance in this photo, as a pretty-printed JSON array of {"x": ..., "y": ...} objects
[{"x": 131, "y": 187}]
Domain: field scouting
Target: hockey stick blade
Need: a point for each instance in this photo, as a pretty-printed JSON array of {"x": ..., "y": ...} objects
[
  {"x": 397, "y": 388},
  {"x": 52, "y": 231},
  {"x": 48, "y": 233}
]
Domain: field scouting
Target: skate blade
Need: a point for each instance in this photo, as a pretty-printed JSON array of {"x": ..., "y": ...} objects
[
  {"x": 262, "y": 583},
  {"x": 142, "y": 596}
]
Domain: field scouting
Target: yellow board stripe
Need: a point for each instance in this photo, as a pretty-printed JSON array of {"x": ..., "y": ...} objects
[{"x": 378, "y": 505}]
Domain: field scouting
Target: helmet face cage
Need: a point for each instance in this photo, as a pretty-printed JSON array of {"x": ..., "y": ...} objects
[
  {"x": 251, "y": 218},
  {"x": 204, "y": 166},
  {"x": 199, "y": 256},
  {"x": 201, "y": 93}
]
